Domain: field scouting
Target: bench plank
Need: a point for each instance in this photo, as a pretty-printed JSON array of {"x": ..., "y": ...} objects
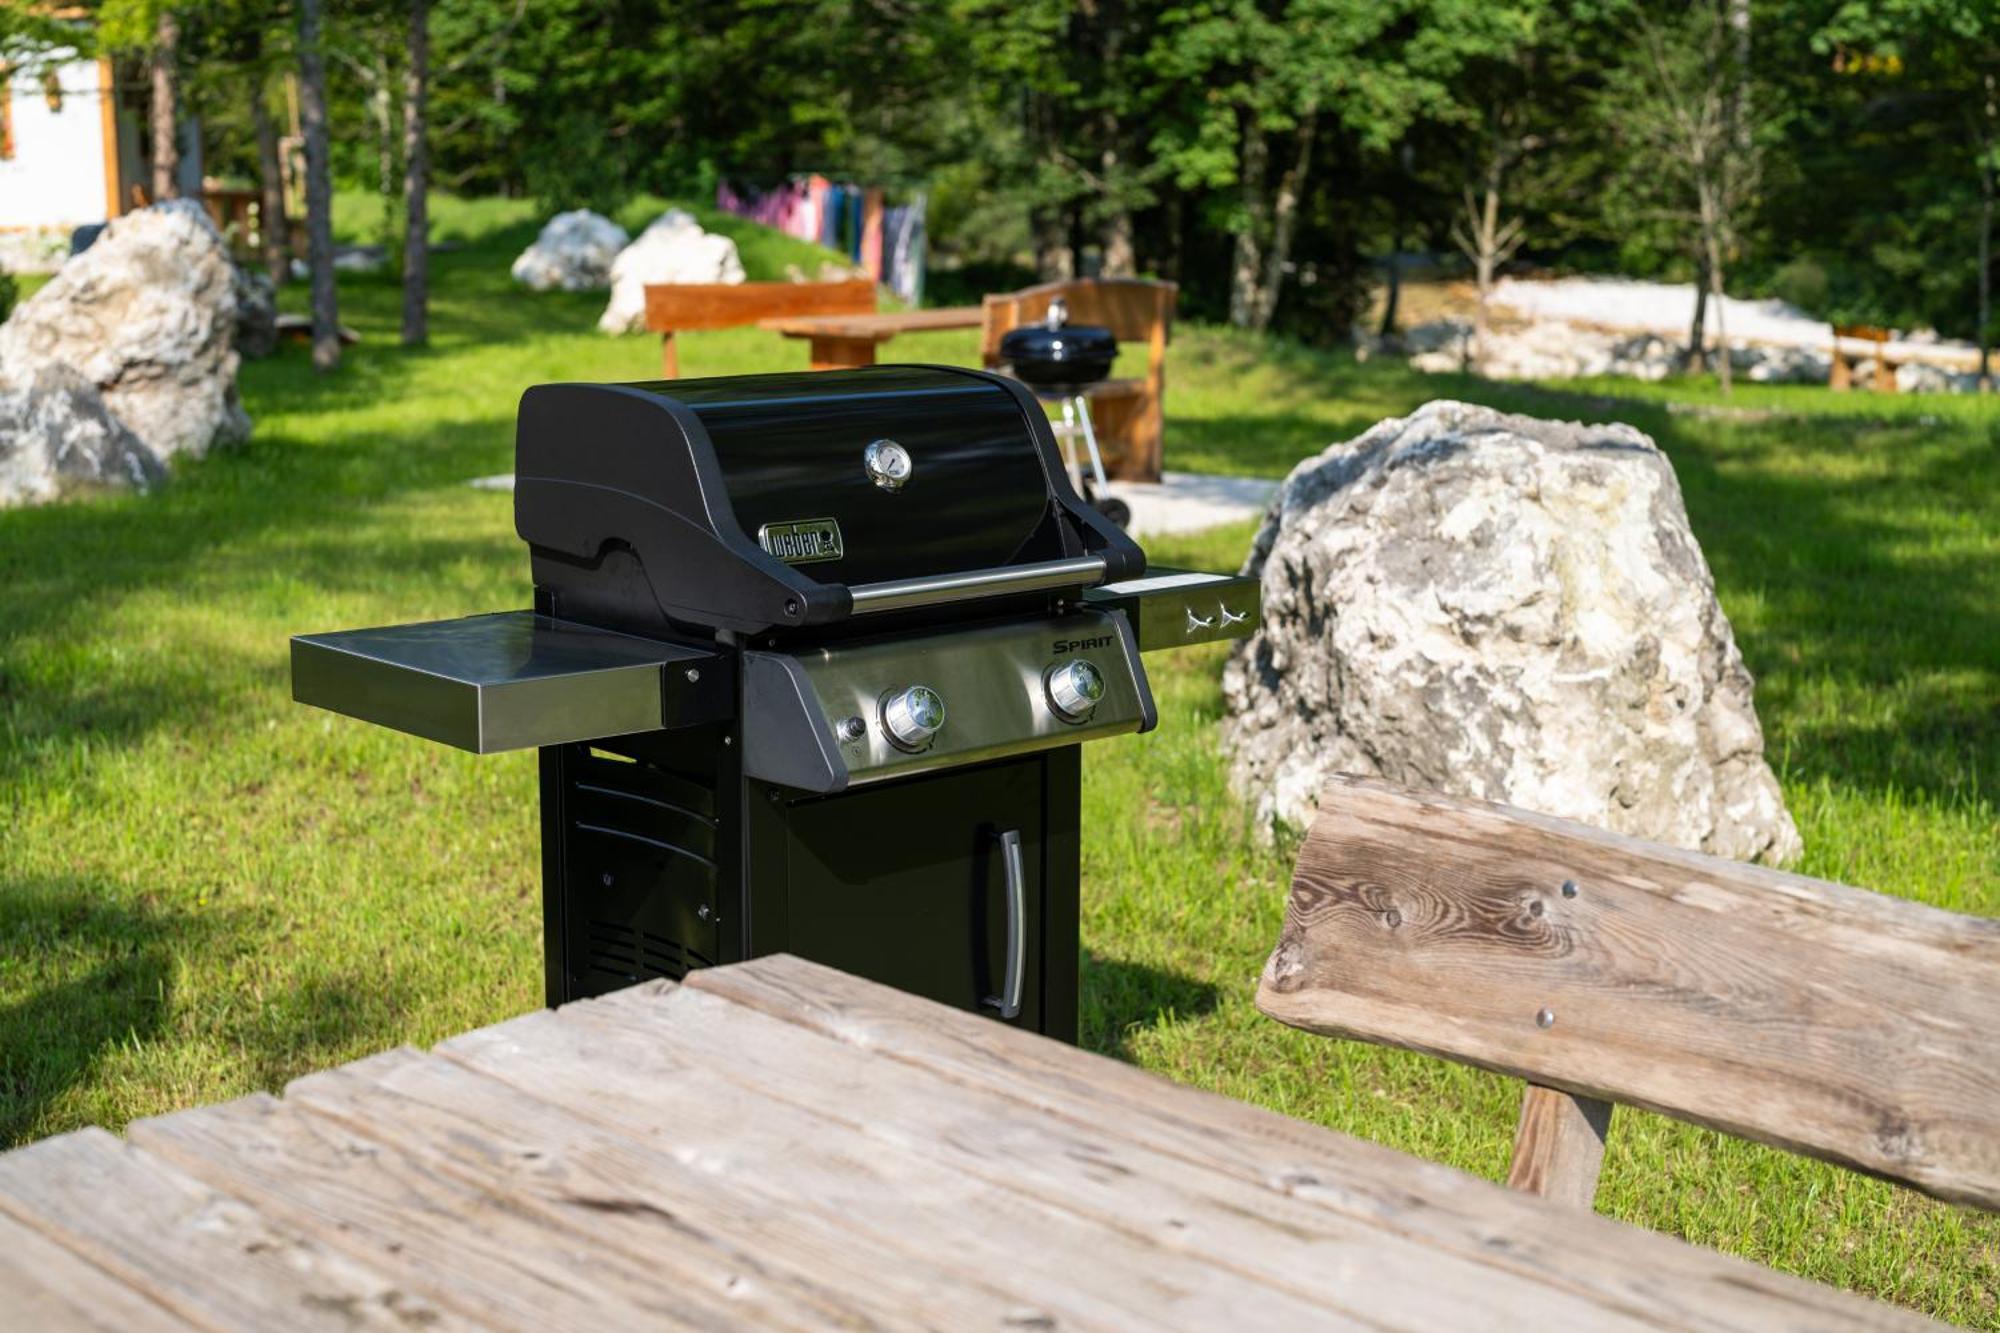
[
  {"x": 473, "y": 1250},
  {"x": 210, "y": 1258},
  {"x": 1624, "y": 1269},
  {"x": 1808, "y": 1015},
  {"x": 44, "y": 1286}
]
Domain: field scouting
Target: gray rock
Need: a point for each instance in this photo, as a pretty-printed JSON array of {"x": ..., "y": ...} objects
[
  {"x": 573, "y": 253},
  {"x": 57, "y": 437},
  {"x": 1922, "y": 377},
  {"x": 148, "y": 315},
  {"x": 1507, "y": 609},
  {"x": 256, "y": 315},
  {"x": 1786, "y": 365}
]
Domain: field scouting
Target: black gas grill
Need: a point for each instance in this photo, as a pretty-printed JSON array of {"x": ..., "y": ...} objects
[{"x": 809, "y": 662}]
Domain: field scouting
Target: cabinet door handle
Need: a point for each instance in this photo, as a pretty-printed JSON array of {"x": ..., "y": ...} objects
[{"x": 1008, "y": 1001}]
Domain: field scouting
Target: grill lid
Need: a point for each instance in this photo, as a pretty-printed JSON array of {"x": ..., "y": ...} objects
[
  {"x": 760, "y": 501},
  {"x": 1057, "y": 352}
]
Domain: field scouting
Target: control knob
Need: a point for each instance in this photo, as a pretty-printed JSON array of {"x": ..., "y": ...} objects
[
  {"x": 1075, "y": 689},
  {"x": 910, "y": 717}
]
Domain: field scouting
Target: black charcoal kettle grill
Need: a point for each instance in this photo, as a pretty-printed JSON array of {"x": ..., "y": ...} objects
[
  {"x": 809, "y": 664},
  {"x": 1061, "y": 361}
]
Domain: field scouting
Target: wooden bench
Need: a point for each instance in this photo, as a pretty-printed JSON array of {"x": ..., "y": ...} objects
[
  {"x": 1827, "y": 1020},
  {"x": 673, "y": 308},
  {"x": 1129, "y": 414},
  {"x": 1841, "y": 374}
]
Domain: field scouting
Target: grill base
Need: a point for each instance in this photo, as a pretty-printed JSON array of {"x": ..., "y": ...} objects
[{"x": 659, "y": 857}]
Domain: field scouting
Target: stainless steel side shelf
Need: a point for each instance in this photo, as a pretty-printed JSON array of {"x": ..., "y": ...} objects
[
  {"x": 1172, "y": 608},
  {"x": 509, "y": 681}
]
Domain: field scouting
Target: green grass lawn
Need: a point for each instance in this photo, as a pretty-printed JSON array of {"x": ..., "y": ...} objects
[{"x": 206, "y": 889}]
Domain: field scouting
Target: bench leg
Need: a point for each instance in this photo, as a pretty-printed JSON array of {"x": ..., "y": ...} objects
[
  {"x": 1559, "y": 1146},
  {"x": 1842, "y": 374},
  {"x": 842, "y": 353},
  {"x": 670, "y": 357}
]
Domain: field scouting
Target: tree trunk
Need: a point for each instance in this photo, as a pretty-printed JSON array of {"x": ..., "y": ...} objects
[
  {"x": 271, "y": 225},
  {"x": 1054, "y": 260},
  {"x": 416, "y": 179},
  {"x": 1739, "y": 93},
  {"x": 1395, "y": 294},
  {"x": 1285, "y": 220},
  {"x": 1404, "y": 159},
  {"x": 165, "y": 118},
  {"x": 1249, "y": 258},
  {"x": 1711, "y": 230},
  {"x": 1120, "y": 260},
  {"x": 1986, "y": 146},
  {"x": 1697, "y": 352},
  {"x": 319, "y": 189},
  {"x": 1488, "y": 239}
]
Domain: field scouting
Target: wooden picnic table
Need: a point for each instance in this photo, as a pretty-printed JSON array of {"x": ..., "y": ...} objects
[
  {"x": 840, "y": 342},
  {"x": 777, "y": 1145}
]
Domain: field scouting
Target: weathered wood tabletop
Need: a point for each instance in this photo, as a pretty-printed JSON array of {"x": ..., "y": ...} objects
[
  {"x": 777, "y": 1145},
  {"x": 842, "y": 342}
]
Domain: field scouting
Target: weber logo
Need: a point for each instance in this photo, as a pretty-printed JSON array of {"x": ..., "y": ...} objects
[
  {"x": 802, "y": 541},
  {"x": 1079, "y": 645}
]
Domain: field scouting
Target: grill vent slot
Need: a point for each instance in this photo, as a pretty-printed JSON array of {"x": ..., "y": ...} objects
[{"x": 638, "y": 955}]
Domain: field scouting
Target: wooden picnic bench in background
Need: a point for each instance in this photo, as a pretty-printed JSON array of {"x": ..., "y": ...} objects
[
  {"x": 1851, "y": 342},
  {"x": 777, "y": 1145},
  {"x": 1827, "y": 1020},
  {"x": 1129, "y": 415},
  {"x": 675, "y": 308}
]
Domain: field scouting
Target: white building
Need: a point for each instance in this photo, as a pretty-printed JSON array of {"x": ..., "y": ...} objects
[{"x": 71, "y": 154}]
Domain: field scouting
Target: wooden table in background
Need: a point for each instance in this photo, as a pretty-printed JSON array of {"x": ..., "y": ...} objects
[
  {"x": 841, "y": 342},
  {"x": 776, "y": 1145}
]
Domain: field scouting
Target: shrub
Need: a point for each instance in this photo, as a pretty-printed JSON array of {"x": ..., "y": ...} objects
[{"x": 1804, "y": 283}]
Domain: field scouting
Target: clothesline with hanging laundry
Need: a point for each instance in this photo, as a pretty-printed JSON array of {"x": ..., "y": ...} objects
[{"x": 888, "y": 243}]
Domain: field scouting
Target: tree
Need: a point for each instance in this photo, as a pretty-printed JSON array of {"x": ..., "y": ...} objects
[
  {"x": 273, "y": 227},
  {"x": 1260, "y": 78},
  {"x": 319, "y": 188},
  {"x": 165, "y": 114},
  {"x": 1683, "y": 107},
  {"x": 1506, "y": 82},
  {"x": 1951, "y": 48},
  {"x": 416, "y": 179},
  {"x": 153, "y": 28}
]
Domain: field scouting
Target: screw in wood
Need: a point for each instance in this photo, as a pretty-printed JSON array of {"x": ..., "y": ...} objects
[
  {"x": 1545, "y": 1018},
  {"x": 1569, "y": 888}
]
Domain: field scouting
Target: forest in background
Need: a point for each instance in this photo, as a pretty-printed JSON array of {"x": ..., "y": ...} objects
[{"x": 1272, "y": 156}]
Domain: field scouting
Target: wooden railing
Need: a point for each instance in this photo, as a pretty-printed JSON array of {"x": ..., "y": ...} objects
[{"x": 1827, "y": 1020}]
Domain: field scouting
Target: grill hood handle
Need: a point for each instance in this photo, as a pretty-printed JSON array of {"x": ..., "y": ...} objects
[{"x": 968, "y": 585}]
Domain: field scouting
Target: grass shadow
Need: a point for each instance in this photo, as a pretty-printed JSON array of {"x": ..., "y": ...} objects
[
  {"x": 105, "y": 973},
  {"x": 1119, "y": 996}
]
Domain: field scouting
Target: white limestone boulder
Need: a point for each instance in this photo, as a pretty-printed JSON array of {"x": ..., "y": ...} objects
[
  {"x": 58, "y": 438},
  {"x": 148, "y": 315},
  {"x": 674, "y": 249},
  {"x": 573, "y": 253},
  {"x": 1508, "y": 609}
]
